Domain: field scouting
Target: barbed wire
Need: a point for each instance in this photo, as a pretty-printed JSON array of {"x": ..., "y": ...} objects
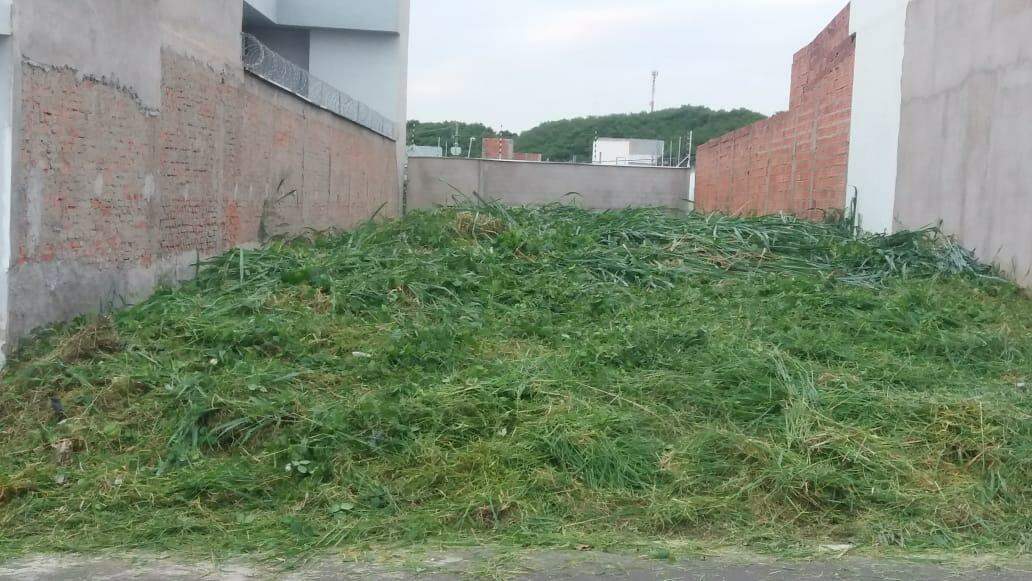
[{"x": 266, "y": 63}]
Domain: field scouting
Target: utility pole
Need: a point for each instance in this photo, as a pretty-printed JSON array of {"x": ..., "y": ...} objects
[
  {"x": 652, "y": 104},
  {"x": 469, "y": 155},
  {"x": 691, "y": 142}
]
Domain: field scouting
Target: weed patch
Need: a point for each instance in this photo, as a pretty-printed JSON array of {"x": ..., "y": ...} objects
[{"x": 536, "y": 376}]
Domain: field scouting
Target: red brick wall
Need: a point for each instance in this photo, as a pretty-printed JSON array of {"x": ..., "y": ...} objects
[
  {"x": 112, "y": 198},
  {"x": 795, "y": 162},
  {"x": 498, "y": 148},
  {"x": 527, "y": 156}
]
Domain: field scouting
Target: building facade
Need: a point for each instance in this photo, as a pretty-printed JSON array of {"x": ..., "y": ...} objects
[
  {"x": 139, "y": 138},
  {"x": 635, "y": 152}
]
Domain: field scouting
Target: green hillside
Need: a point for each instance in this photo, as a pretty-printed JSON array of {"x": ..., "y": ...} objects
[
  {"x": 562, "y": 140},
  {"x": 570, "y": 139}
]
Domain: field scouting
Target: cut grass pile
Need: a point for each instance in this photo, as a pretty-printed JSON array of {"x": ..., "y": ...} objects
[{"x": 537, "y": 376}]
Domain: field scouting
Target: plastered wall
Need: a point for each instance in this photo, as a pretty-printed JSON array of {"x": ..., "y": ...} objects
[
  {"x": 966, "y": 131},
  {"x": 879, "y": 26},
  {"x": 441, "y": 181},
  {"x": 126, "y": 172}
]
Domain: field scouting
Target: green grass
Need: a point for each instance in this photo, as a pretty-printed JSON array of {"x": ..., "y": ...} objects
[{"x": 537, "y": 377}]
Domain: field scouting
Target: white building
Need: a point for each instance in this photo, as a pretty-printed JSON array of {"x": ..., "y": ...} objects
[
  {"x": 618, "y": 151},
  {"x": 359, "y": 47},
  {"x": 880, "y": 27}
]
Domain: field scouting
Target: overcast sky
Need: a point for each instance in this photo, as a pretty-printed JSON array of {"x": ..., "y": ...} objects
[{"x": 515, "y": 63}]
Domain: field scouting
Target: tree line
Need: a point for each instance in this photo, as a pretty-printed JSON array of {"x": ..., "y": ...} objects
[{"x": 572, "y": 139}]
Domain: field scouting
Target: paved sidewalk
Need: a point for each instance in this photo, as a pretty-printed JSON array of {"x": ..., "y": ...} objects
[{"x": 486, "y": 564}]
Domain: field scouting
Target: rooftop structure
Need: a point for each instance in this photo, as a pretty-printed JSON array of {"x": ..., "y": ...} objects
[{"x": 621, "y": 151}]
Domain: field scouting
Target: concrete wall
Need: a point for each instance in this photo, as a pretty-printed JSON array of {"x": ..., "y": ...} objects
[
  {"x": 115, "y": 192},
  {"x": 796, "y": 161},
  {"x": 206, "y": 30},
  {"x": 522, "y": 183},
  {"x": 267, "y": 8},
  {"x": 966, "y": 133},
  {"x": 369, "y": 66},
  {"x": 125, "y": 52},
  {"x": 880, "y": 28},
  {"x": 6, "y": 147}
]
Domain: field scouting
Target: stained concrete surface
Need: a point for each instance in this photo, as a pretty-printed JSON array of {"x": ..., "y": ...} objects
[
  {"x": 487, "y": 564},
  {"x": 433, "y": 181},
  {"x": 965, "y": 140}
]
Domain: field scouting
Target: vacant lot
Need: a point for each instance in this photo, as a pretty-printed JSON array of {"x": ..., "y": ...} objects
[{"x": 537, "y": 377}]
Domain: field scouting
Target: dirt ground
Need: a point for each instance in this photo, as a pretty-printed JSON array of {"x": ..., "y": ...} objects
[{"x": 488, "y": 564}]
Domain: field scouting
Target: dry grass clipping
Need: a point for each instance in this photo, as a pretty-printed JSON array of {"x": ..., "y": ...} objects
[
  {"x": 98, "y": 337},
  {"x": 478, "y": 225}
]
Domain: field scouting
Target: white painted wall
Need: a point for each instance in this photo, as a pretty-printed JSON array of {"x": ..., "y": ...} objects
[
  {"x": 6, "y": 162},
  {"x": 401, "y": 118},
  {"x": 266, "y": 7},
  {"x": 293, "y": 44},
  {"x": 607, "y": 151},
  {"x": 362, "y": 64},
  {"x": 5, "y": 17},
  {"x": 372, "y": 15},
  {"x": 880, "y": 28}
]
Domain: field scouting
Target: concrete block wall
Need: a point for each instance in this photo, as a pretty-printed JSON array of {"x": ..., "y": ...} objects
[
  {"x": 965, "y": 140},
  {"x": 126, "y": 173},
  {"x": 796, "y": 161},
  {"x": 433, "y": 182}
]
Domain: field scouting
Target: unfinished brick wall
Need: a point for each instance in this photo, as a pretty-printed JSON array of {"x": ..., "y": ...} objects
[
  {"x": 112, "y": 198},
  {"x": 796, "y": 161}
]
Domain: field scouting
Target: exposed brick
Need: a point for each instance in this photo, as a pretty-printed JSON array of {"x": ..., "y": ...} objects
[
  {"x": 795, "y": 161},
  {"x": 111, "y": 188},
  {"x": 497, "y": 148}
]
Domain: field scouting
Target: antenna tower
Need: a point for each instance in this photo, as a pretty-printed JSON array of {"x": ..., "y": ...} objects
[{"x": 652, "y": 104}]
